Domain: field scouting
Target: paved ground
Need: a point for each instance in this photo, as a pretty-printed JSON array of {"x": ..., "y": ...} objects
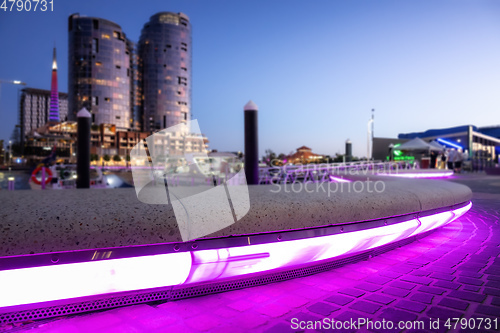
[{"x": 452, "y": 273}]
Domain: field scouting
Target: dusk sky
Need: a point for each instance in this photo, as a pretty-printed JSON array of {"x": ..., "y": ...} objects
[{"x": 314, "y": 68}]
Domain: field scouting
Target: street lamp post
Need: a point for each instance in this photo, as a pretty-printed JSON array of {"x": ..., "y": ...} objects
[{"x": 10, "y": 153}]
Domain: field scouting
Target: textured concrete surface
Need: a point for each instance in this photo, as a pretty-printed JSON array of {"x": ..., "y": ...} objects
[
  {"x": 454, "y": 272},
  {"x": 63, "y": 220}
]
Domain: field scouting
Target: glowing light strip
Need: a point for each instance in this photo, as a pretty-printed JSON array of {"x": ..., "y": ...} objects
[
  {"x": 437, "y": 220},
  {"x": 454, "y": 145},
  {"x": 339, "y": 179},
  {"x": 443, "y": 174},
  {"x": 66, "y": 281},
  {"x": 50, "y": 283}
]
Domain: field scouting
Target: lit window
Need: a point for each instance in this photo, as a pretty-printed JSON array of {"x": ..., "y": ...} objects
[
  {"x": 105, "y": 36},
  {"x": 98, "y": 63},
  {"x": 95, "y": 45}
]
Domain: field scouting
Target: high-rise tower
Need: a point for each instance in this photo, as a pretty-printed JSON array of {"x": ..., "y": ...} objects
[
  {"x": 164, "y": 71},
  {"x": 99, "y": 71},
  {"x": 54, "y": 94}
]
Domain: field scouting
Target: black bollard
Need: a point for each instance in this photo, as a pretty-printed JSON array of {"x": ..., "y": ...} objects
[
  {"x": 83, "y": 149},
  {"x": 348, "y": 151},
  {"x": 251, "y": 144}
]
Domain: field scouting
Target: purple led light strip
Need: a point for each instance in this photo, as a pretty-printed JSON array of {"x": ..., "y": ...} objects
[
  {"x": 443, "y": 174},
  {"x": 66, "y": 281}
]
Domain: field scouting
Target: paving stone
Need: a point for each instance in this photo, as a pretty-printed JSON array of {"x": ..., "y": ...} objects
[
  {"x": 471, "y": 274},
  {"x": 402, "y": 269},
  {"x": 411, "y": 306},
  {"x": 322, "y": 308},
  {"x": 225, "y": 312},
  {"x": 241, "y": 305},
  {"x": 422, "y": 298},
  {"x": 303, "y": 316},
  {"x": 447, "y": 285},
  {"x": 472, "y": 281},
  {"x": 491, "y": 270},
  {"x": 392, "y": 275},
  {"x": 279, "y": 328},
  {"x": 403, "y": 285},
  {"x": 203, "y": 322},
  {"x": 488, "y": 310},
  {"x": 470, "y": 267},
  {"x": 368, "y": 287},
  {"x": 292, "y": 300},
  {"x": 339, "y": 299},
  {"x": 352, "y": 292},
  {"x": 417, "y": 279},
  {"x": 493, "y": 284},
  {"x": 491, "y": 291},
  {"x": 432, "y": 290},
  {"x": 273, "y": 309},
  {"x": 396, "y": 292},
  {"x": 397, "y": 315},
  {"x": 380, "y": 298},
  {"x": 467, "y": 296},
  {"x": 249, "y": 321},
  {"x": 443, "y": 313},
  {"x": 495, "y": 301},
  {"x": 364, "y": 306},
  {"x": 441, "y": 269},
  {"x": 421, "y": 272},
  {"x": 493, "y": 277},
  {"x": 471, "y": 288},
  {"x": 453, "y": 303},
  {"x": 381, "y": 280},
  {"x": 442, "y": 276},
  {"x": 348, "y": 315}
]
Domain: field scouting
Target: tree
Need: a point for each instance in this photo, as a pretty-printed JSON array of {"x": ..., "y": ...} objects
[
  {"x": 106, "y": 158},
  {"x": 269, "y": 157},
  {"x": 117, "y": 158},
  {"x": 94, "y": 157}
]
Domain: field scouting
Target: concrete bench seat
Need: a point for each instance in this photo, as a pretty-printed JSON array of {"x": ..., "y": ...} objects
[{"x": 33, "y": 222}]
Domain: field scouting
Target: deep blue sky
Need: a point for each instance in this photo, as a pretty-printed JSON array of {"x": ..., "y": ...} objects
[{"x": 314, "y": 68}]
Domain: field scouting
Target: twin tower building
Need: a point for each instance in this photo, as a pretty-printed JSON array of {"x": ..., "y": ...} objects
[{"x": 142, "y": 86}]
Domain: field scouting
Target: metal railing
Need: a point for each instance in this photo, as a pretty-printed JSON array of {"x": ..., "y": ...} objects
[{"x": 324, "y": 172}]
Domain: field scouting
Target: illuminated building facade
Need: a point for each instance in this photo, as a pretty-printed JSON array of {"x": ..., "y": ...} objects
[
  {"x": 164, "y": 71},
  {"x": 100, "y": 75},
  {"x": 35, "y": 109}
]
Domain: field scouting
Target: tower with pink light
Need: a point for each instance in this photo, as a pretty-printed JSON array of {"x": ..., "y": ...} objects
[{"x": 54, "y": 94}]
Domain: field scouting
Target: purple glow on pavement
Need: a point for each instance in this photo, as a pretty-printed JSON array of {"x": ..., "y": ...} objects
[{"x": 443, "y": 174}]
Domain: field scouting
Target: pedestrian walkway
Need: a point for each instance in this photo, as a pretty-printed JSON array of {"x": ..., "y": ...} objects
[{"x": 454, "y": 272}]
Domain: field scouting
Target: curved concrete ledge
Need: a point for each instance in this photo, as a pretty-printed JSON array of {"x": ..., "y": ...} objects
[{"x": 39, "y": 222}]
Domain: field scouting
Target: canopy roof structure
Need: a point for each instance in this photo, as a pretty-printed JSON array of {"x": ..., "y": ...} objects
[
  {"x": 418, "y": 144},
  {"x": 437, "y": 145}
]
